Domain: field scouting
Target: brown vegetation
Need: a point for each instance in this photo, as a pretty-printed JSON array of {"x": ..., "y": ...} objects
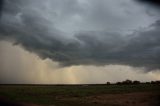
[{"x": 128, "y": 82}]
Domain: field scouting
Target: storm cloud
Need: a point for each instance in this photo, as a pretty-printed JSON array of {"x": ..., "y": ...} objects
[
  {"x": 1, "y": 6},
  {"x": 56, "y": 29},
  {"x": 151, "y": 2}
]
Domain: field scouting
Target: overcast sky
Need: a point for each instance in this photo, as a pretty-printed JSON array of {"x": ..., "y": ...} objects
[{"x": 79, "y": 41}]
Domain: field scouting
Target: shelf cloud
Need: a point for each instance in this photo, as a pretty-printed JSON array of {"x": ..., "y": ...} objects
[
  {"x": 1, "y": 6},
  {"x": 74, "y": 32},
  {"x": 151, "y": 2}
]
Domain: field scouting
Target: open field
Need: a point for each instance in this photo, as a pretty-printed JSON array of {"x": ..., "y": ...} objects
[{"x": 80, "y": 95}]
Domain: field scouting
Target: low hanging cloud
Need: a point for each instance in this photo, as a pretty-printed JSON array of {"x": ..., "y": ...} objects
[
  {"x": 151, "y": 2},
  {"x": 29, "y": 68},
  {"x": 1, "y": 6},
  {"x": 25, "y": 23}
]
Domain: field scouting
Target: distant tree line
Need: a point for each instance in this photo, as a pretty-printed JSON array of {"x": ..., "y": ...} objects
[{"x": 129, "y": 82}]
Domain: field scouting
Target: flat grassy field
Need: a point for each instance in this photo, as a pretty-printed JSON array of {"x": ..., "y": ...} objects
[{"x": 80, "y": 95}]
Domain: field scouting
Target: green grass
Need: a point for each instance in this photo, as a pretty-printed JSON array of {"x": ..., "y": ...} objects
[{"x": 48, "y": 94}]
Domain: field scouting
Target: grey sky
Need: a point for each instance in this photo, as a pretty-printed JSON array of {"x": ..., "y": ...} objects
[
  {"x": 20, "y": 66},
  {"x": 75, "y": 32}
]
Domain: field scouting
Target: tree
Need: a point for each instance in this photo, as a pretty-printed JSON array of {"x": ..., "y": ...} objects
[
  {"x": 136, "y": 82},
  {"x": 118, "y": 83},
  {"x": 127, "y": 81},
  {"x": 108, "y": 83}
]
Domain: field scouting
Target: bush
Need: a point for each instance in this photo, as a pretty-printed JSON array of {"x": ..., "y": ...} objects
[
  {"x": 127, "y": 81},
  {"x": 108, "y": 83},
  {"x": 148, "y": 82},
  {"x": 136, "y": 82},
  {"x": 118, "y": 83},
  {"x": 155, "y": 82}
]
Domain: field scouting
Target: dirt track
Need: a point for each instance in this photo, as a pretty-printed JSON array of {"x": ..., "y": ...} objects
[
  {"x": 5, "y": 102},
  {"x": 130, "y": 99},
  {"x": 127, "y": 99}
]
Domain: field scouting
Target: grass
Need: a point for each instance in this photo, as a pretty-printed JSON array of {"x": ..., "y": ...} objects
[{"x": 46, "y": 95}]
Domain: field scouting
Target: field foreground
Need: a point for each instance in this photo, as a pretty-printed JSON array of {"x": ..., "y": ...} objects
[{"x": 80, "y": 95}]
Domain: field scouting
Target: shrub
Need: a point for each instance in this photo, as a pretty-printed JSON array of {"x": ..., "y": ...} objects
[
  {"x": 127, "y": 82},
  {"x": 136, "y": 82},
  {"x": 108, "y": 83}
]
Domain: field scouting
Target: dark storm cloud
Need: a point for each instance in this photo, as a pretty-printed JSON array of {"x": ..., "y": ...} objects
[
  {"x": 151, "y": 2},
  {"x": 143, "y": 48},
  {"x": 140, "y": 49},
  {"x": 1, "y": 6},
  {"x": 32, "y": 30}
]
